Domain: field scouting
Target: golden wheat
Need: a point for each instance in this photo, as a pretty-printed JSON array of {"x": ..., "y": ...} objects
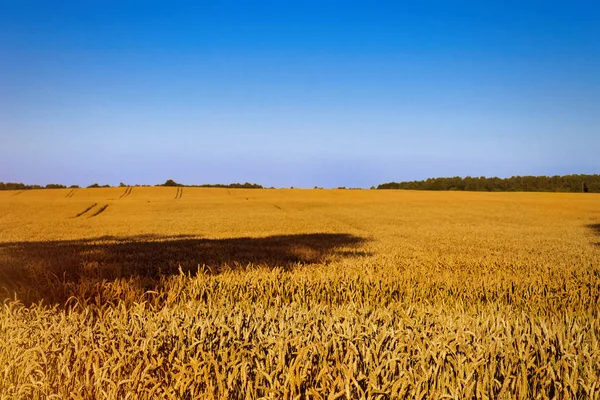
[{"x": 216, "y": 293}]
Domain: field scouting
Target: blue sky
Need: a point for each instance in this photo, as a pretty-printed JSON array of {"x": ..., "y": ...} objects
[{"x": 283, "y": 93}]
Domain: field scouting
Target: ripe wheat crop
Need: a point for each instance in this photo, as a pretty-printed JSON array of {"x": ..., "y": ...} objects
[{"x": 287, "y": 294}]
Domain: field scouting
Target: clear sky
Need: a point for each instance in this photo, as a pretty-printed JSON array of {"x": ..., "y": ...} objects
[{"x": 296, "y": 93}]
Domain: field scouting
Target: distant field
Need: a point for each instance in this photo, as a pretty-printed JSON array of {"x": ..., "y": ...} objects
[{"x": 232, "y": 293}]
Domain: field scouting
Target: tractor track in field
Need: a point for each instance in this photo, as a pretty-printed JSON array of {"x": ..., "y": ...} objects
[
  {"x": 127, "y": 192},
  {"x": 179, "y": 193},
  {"x": 71, "y": 193},
  {"x": 99, "y": 211},
  {"x": 86, "y": 210}
]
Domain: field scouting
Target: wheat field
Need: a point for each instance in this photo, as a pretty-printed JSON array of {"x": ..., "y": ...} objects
[{"x": 183, "y": 293}]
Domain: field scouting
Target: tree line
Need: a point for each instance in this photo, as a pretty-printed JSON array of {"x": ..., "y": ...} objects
[
  {"x": 565, "y": 183},
  {"x": 170, "y": 182},
  {"x": 247, "y": 185},
  {"x": 22, "y": 186}
]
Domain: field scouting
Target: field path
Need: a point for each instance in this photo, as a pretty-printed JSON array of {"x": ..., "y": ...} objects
[{"x": 71, "y": 193}]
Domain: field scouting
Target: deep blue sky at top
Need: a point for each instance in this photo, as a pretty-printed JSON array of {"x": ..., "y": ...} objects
[{"x": 299, "y": 93}]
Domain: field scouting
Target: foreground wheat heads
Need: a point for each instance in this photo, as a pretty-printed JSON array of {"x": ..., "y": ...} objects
[{"x": 447, "y": 296}]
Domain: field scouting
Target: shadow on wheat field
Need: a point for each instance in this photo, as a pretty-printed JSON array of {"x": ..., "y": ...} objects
[
  {"x": 596, "y": 229},
  {"x": 54, "y": 271}
]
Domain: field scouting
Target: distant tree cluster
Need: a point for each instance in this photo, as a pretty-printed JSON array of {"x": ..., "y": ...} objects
[
  {"x": 171, "y": 182},
  {"x": 22, "y": 186},
  {"x": 566, "y": 183},
  {"x": 247, "y": 185}
]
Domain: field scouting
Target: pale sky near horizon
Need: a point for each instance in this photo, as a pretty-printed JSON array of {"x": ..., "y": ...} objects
[{"x": 297, "y": 93}]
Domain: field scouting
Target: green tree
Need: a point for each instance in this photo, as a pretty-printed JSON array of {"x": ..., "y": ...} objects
[{"x": 171, "y": 182}]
